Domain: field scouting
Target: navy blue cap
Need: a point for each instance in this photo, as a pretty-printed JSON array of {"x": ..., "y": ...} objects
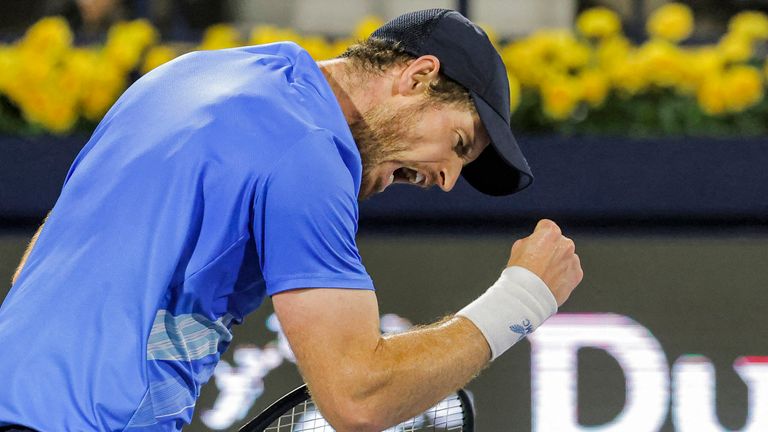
[{"x": 467, "y": 56}]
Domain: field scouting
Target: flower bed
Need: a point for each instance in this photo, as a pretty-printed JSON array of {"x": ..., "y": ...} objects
[{"x": 587, "y": 80}]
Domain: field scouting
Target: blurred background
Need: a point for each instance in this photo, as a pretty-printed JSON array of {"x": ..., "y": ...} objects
[{"x": 644, "y": 121}]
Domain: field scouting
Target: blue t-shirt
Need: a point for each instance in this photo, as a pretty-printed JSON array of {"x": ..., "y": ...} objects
[{"x": 215, "y": 180}]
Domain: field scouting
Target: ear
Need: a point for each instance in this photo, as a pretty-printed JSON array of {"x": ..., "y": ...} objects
[{"x": 417, "y": 75}]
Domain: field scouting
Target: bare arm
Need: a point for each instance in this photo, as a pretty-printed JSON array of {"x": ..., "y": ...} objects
[
  {"x": 362, "y": 380},
  {"x": 27, "y": 252}
]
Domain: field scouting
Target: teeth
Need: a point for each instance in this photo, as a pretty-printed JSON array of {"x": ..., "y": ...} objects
[
  {"x": 391, "y": 179},
  {"x": 418, "y": 179}
]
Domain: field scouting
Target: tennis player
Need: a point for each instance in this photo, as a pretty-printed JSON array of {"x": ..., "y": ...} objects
[{"x": 227, "y": 176}]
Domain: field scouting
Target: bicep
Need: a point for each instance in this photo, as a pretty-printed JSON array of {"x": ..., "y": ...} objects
[
  {"x": 332, "y": 332},
  {"x": 305, "y": 224}
]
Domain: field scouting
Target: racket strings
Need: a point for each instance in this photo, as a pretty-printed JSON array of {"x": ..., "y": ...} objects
[{"x": 448, "y": 415}]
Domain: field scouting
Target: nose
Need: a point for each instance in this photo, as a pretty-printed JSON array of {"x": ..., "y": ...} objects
[{"x": 449, "y": 175}]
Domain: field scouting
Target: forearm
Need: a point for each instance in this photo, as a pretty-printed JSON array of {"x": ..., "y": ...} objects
[
  {"x": 379, "y": 382},
  {"x": 26, "y": 253},
  {"x": 412, "y": 371}
]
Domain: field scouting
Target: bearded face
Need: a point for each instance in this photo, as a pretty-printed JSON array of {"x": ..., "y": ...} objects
[
  {"x": 418, "y": 142},
  {"x": 381, "y": 136}
]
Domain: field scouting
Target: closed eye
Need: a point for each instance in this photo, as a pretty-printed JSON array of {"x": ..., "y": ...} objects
[{"x": 462, "y": 149}]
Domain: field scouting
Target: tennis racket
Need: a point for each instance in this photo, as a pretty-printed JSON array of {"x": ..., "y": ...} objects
[{"x": 296, "y": 412}]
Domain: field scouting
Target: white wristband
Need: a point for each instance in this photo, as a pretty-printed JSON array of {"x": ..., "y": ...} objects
[{"x": 513, "y": 307}]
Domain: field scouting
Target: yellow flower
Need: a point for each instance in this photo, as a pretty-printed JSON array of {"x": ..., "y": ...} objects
[
  {"x": 339, "y": 46},
  {"x": 560, "y": 97},
  {"x": 612, "y": 50},
  {"x": 751, "y": 24},
  {"x": 735, "y": 47},
  {"x": 76, "y": 72},
  {"x": 662, "y": 63},
  {"x": 105, "y": 86},
  {"x": 561, "y": 48},
  {"x": 81, "y": 60},
  {"x": 544, "y": 54},
  {"x": 711, "y": 95},
  {"x": 656, "y": 63},
  {"x": 575, "y": 55},
  {"x": 157, "y": 56},
  {"x": 522, "y": 60},
  {"x": 317, "y": 47},
  {"x": 743, "y": 88},
  {"x": 594, "y": 86},
  {"x": 8, "y": 66},
  {"x": 138, "y": 32},
  {"x": 29, "y": 102},
  {"x": 142, "y": 32},
  {"x": 514, "y": 93},
  {"x": 126, "y": 41},
  {"x": 700, "y": 64},
  {"x": 366, "y": 26},
  {"x": 60, "y": 114},
  {"x": 673, "y": 22},
  {"x": 599, "y": 22},
  {"x": 50, "y": 37},
  {"x": 264, "y": 34},
  {"x": 46, "y": 107},
  {"x": 122, "y": 55},
  {"x": 220, "y": 36},
  {"x": 35, "y": 68},
  {"x": 629, "y": 76}
]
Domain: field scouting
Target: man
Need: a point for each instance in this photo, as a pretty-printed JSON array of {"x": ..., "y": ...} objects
[{"x": 226, "y": 176}]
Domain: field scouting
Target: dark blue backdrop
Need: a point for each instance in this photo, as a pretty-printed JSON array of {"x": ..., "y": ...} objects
[{"x": 577, "y": 178}]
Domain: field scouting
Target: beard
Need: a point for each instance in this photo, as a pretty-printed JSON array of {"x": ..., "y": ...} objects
[{"x": 379, "y": 137}]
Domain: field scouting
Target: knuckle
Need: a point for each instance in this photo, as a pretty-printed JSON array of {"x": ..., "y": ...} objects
[
  {"x": 579, "y": 273},
  {"x": 554, "y": 227},
  {"x": 579, "y": 270},
  {"x": 547, "y": 225}
]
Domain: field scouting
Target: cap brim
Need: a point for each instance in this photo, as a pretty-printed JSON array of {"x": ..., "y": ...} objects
[{"x": 501, "y": 169}]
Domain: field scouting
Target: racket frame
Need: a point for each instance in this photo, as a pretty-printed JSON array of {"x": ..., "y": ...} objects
[{"x": 301, "y": 394}]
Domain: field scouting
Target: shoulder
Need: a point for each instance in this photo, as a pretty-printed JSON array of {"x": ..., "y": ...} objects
[
  {"x": 318, "y": 165},
  {"x": 217, "y": 71},
  {"x": 202, "y": 79},
  {"x": 277, "y": 54}
]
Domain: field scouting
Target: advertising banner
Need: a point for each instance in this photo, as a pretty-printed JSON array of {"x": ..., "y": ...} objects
[{"x": 665, "y": 333}]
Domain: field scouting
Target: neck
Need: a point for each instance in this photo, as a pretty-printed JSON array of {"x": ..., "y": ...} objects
[{"x": 353, "y": 92}]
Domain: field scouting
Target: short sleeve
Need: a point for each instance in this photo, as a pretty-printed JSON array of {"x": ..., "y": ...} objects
[{"x": 305, "y": 221}]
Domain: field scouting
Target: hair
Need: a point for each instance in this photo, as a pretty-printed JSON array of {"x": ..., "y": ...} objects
[{"x": 374, "y": 56}]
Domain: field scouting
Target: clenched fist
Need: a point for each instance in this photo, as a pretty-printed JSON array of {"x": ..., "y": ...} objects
[{"x": 551, "y": 256}]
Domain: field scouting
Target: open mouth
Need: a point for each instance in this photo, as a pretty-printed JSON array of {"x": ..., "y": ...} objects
[{"x": 408, "y": 175}]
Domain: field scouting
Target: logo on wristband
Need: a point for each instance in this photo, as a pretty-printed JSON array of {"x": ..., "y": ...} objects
[{"x": 523, "y": 329}]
